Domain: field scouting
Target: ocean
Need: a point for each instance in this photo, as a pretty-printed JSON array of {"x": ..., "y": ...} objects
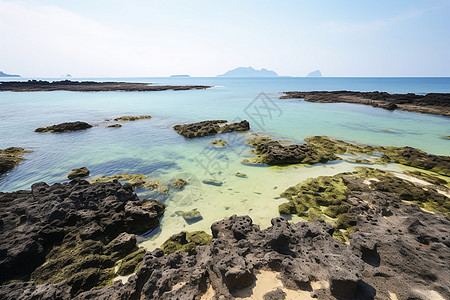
[{"x": 153, "y": 148}]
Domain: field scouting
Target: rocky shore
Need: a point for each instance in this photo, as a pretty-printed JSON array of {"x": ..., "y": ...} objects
[
  {"x": 432, "y": 103},
  {"x": 207, "y": 128},
  {"x": 10, "y": 158},
  {"x": 321, "y": 149},
  {"x": 90, "y": 86},
  {"x": 73, "y": 235}
]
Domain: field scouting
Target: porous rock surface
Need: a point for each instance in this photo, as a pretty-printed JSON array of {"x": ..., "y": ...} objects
[
  {"x": 73, "y": 231},
  {"x": 206, "y": 128},
  {"x": 65, "y": 127}
]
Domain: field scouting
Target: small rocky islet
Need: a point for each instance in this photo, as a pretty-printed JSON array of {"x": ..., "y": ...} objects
[
  {"x": 367, "y": 234},
  {"x": 11, "y": 157}
]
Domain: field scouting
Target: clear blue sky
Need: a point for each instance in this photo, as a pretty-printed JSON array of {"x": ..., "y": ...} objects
[{"x": 205, "y": 38}]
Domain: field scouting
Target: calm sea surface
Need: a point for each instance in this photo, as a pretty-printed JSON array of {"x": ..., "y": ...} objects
[{"x": 153, "y": 148}]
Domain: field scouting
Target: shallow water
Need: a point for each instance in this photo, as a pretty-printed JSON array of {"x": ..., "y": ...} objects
[{"x": 151, "y": 147}]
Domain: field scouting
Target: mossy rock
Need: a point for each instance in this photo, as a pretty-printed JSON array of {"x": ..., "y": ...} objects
[
  {"x": 219, "y": 143},
  {"x": 179, "y": 183},
  {"x": 135, "y": 180},
  {"x": 186, "y": 241},
  {"x": 79, "y": 172},
  {"x": 114, "y": 126},
  {"x": 130, "y": 263},
  {"x": 241, "y": 175},
  {"x": 11, "y": 157},
  {"x": 132, "y": 118}
]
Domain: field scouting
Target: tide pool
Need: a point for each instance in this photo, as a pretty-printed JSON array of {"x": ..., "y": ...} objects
[{"x": 153, "y": 148}]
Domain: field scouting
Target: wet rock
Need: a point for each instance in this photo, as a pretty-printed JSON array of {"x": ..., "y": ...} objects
[
  {"x": 206, "y": 128},
  {"x": 179, "y": 183},
  {"x": 65, "y": 127},
  {"x": 242, "y": 175},
  {"x": 212, "y": 182},
  {"x": 79, "y": 172},
  {"x": 192, "y": 216},
  {"x": 132, "y": 118},
  {"x": 219, "y": 143},
  {"x": 10, "y": 158},
  {"x": 114, "y": 126}
]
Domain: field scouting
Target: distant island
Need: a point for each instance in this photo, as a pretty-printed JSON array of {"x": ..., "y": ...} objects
[
  {"x": 180, "y": 76},
  {"x": 249, "y": 72},
  {"x": 7, "y": 75},
  {"x": 315, "y": 73}
]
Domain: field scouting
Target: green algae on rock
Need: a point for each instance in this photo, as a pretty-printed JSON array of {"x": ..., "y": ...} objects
[
  {"x": 11, "y": 157},
  {"x": 219, "y": 143},
  {"x": 132, "y": 118},
  {"x": 332, "y": 198},
  {"x": 135, "y": 181},
  {"x": 78, "y": 172},
  {"x": 114, "y": 126},
  {"x": 186, "y": 241},
  {"x": 321, "y": 149}
]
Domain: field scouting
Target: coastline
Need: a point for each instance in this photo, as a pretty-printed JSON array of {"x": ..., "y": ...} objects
[
  {"x": 90, "y": 86},
  {"x": 431, "y": 103}
]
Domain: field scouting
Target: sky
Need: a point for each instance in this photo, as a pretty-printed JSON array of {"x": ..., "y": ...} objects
[{"x": 146, "y": 38}]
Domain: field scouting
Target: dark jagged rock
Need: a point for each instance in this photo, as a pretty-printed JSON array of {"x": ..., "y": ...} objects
[
  {"x": 432, "y": 103},
  {"x": 321, "y": 149},
  {"x": 90, "y": 86},
  {"x": 10, "y": 158},
  {"x": 206, "y": 128},
  {"x": 65, "y": 127},
  {"x": 78, "y": 172},
  {"x": 114, "y": 126},
  {"x": 73, "y": 232}
]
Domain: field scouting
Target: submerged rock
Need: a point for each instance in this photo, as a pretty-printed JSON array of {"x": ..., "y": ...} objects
[
  {"x": 192, "y": 216},
  {"x": 132, "y": 118},
  {"x": 114, "y": 126},
  {"x": 219, "y": 143},
  {"x": 10, "y": 158},
  {"x": 241, "y": 175},
  {"x": 79, "y": 172},
  {"x": 65, "y": 127},
  {"x": 179, "y": 183},
  {"x": 206, "y": 128},
  {"x": 212, "y": 182},
  {"x": 73, "y": 232}
]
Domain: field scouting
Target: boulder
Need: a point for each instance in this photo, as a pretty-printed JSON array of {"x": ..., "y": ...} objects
[
  {"x": 79, "y": 172},
  {"x": 65, "y": 127}
]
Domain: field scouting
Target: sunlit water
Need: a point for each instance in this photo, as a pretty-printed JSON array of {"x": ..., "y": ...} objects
[{"x": 153, "y": 148}]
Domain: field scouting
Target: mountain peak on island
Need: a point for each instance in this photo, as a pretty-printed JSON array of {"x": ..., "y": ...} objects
[
  {"x": 249, "y": 72},
  {"x": 315, "y": 73},
  {"x": 7, "y": 75}
]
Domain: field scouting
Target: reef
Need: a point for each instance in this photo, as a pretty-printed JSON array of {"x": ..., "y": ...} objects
[
  {"x": 432, "y": 103},
  {"x": 74, "y": 236},
  {"x": 219, "y": 143},
  {"x": 78, "y": 172},
  {"x": 321, "y": 149},
  {"x": 90, "y": 86},
  {"x": 207, "y": 128},
  {"x": 10, "y": 158},
  {"x": 132, "y": 118},
  {"x": 65, "y": 127}
]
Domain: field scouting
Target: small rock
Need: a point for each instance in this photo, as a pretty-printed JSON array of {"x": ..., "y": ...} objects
[
  {"x": 191, "y": 216},
  {"x": 114, "y": 125},
  {"x": 65, "y": 127},
  {"x": 212, "y": 182},
  {"x": 79, "y": 172},
  {"x": 242, "y": 175},
  {"x": 132, "y": 118},
  {"x": 179, "y": 183},
  {"x": 219, "y": 143}
]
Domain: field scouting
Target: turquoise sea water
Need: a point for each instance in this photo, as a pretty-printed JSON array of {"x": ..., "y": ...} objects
[{"x": 151, "y": 146}]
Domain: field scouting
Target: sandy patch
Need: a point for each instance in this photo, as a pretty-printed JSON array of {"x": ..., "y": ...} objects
[
  {"x": 267, "y": 281},
  {"x": 124, "y": 279},
  {"x": 429, "y": 294},
  {"x": 411, "y": 179},
  {"x": 368, "y": 181},
  {"x": 392, "y": 296}
]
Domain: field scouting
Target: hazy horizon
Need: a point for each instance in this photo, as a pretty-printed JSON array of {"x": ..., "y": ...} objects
[{"x": 50, "y": 38}]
